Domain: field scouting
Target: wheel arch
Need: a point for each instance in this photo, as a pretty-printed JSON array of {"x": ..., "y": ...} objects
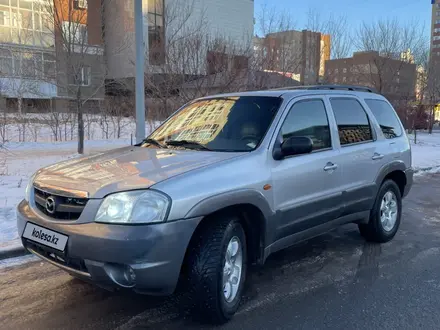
[
  {"x": 393, "y": 171},
  {"x": 250, "y": 206}
]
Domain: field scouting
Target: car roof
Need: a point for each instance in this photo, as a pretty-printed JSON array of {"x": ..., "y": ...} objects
[{"x": 290, "y": 92}]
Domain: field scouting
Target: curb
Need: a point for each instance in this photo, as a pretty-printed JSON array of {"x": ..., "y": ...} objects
[{"x": 16, "y": 251}]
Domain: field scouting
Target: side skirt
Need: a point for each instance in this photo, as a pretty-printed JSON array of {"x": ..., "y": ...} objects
[{"x": 281, "y": 244}]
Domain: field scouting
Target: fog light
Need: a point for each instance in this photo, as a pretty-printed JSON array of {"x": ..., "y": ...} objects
[
  {"x": 122, "y": 275},
  {"x": 129, "y": 275}
]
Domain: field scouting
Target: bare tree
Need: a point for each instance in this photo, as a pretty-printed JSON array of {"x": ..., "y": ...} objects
[
  {"x": 334, "y": 26},
  {"x": 277, "y": 45},
  {"x": 81, "y": 68},
  {"x": 188, "y": 59},
  {"x": 396, "y": 43},
  {"x": 3, "y": 116}
]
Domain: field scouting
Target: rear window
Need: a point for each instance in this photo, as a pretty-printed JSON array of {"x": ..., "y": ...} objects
[{"x": 386, "y": 117}]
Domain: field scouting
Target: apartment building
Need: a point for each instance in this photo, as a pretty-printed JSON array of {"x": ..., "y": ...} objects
[
  {"x": 198, "y": 22},
  {"x": 435, "y": 31},
  {"x": 47, "y": 52},
  {"x": 27, "y": 61},
  {"x": 53, "y": 50},
  {"x": 299, "y": 53},
  {"x": 393, "y": 76}
]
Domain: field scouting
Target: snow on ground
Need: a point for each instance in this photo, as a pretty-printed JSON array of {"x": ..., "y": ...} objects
[
  {"x": 18, "y": 161},
  {"x": 426, "y": 153},
  {"x": 13, "y": 262}
]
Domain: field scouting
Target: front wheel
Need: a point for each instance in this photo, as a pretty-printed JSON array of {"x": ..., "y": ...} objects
[
  {"x": 385, "y": 215},
  {"x": 217, "y": 269}
]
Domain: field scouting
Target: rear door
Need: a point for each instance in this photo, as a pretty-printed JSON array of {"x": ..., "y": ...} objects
[{"x": 361, "y": 157}]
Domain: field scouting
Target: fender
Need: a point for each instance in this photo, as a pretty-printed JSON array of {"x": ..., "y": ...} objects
[
  {"x": 396, "y": 165},
  {"x": 235, "y": 197}
]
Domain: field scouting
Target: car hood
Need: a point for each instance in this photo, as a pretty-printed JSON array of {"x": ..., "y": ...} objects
[{"x": 122, "y": 169}]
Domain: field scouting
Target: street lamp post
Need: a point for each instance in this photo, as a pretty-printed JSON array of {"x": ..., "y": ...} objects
[{"x": 140, "y": 62}]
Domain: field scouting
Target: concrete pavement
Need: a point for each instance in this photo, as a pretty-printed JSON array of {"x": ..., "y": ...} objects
[{"x": 336, "y": 281}]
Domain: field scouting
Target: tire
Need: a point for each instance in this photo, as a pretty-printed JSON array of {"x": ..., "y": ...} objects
[
  {"x": 205, "y": 266},
  {"x": 383, "y": 231}
]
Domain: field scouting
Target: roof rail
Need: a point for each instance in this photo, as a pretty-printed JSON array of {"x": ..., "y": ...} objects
[{"x": 331, "y": 87}]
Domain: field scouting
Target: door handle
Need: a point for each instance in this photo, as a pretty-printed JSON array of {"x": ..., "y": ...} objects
[
  {"x": 377, "y": 156},
  {"x": 330, "y": 167}
]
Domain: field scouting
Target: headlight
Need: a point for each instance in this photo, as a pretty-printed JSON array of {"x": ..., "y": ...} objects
[
  {"x": 133, "y": 207},
  {"x": 28, "y": 191}
]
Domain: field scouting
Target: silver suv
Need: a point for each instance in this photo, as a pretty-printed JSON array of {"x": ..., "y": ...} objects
[{"x": 223, "y": 183}]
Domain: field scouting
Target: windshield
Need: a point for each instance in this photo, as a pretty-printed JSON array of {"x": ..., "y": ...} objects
[{"x": 219, "y": 124}]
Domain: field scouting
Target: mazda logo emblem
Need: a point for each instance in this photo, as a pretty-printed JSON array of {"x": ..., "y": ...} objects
[{"x": 50, "y": 205}]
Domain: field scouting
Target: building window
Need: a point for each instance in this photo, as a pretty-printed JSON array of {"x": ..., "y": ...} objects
[
  {"x": 4, "y": 18},
  {"x": 345, "y": 70},
  {"x": 74, "y": 33},
  {"x": 80, "y": 4},
  {"x": 344, "y": 79},
  {"x": 437, "y": 21},
  {"x": 6, "y": 66},
  {"x": 436, "y": 38},
  {"x": 49, "y": 66},
  {"x": 156, "y": 35},
  {"x": 336, "y": 70},
  {"x": 86, "y": 76}
]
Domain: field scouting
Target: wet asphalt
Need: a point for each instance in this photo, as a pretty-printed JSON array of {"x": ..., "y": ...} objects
[{"x": 335, "y": 281}]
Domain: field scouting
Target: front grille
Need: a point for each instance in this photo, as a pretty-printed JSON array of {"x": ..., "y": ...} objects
[
  {"x": 65, "y": 208},
  {"x": 56, "y": 256}
]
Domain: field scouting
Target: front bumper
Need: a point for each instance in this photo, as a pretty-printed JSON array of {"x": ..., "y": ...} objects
[
  {"x": 103, "y": 253},
  {"x": 409, "y": 173}
]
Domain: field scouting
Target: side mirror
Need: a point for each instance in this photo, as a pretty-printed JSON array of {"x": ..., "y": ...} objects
[{"x": 294, "y": 145}]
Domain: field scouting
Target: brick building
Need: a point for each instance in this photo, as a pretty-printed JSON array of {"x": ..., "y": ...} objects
[
  {"x": 300, "y": 53},
  {"x": 391, "y": 75}
]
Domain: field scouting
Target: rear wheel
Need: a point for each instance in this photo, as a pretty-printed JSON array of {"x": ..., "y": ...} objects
[
  {"x": 385, "y": 215},
  {"x": 217, "y": 266}
]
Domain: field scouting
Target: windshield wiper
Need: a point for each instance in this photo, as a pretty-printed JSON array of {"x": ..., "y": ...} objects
[
  {"x": 154, "y": 142},
  {"x": 187, "y": 144}
]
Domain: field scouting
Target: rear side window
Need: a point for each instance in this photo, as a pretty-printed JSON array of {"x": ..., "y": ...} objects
[
  {"x": 386, "y": 117},
  {"x": 352, "y": 121}
]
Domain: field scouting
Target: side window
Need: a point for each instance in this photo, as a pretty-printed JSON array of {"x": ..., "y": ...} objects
[
  {"x": 308, "y": 118},
  {"x": 352, "y": 121},
  {"x": 386, "y": 117}
]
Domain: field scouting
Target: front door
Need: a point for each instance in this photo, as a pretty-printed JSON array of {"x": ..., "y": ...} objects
[{"x": 306, "y": 187}]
